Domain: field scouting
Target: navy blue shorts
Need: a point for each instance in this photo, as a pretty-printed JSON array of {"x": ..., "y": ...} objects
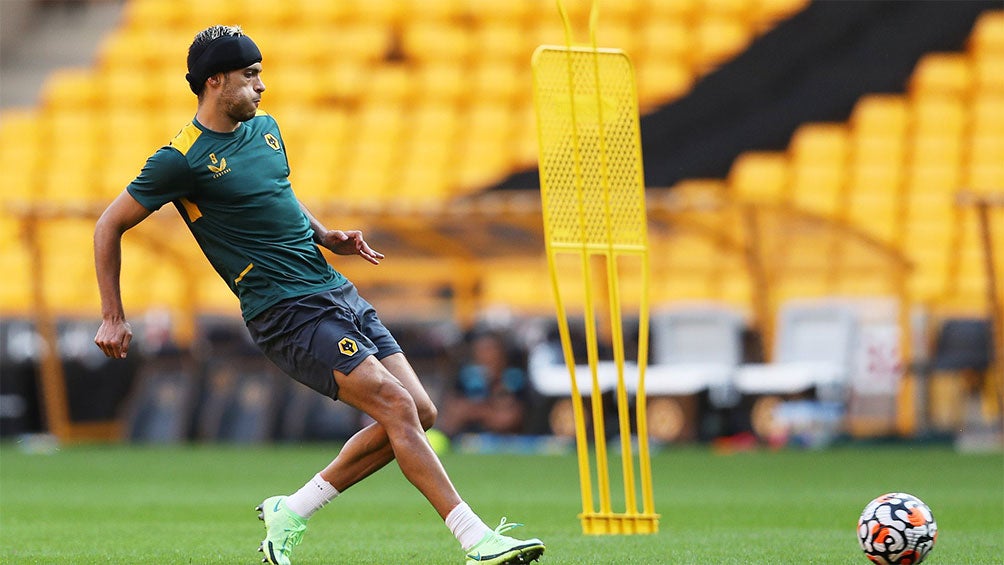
[{"x": 310, "y": 336}]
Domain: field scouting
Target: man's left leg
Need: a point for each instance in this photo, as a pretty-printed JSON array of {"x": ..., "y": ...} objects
[{"x": 369, "y": 450}]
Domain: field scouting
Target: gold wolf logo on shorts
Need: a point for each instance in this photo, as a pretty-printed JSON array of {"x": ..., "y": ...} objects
[{"x": 347, "y": 347}]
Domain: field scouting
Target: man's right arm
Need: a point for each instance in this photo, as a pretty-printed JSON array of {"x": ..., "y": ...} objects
[{"x": 123, "y": 213}]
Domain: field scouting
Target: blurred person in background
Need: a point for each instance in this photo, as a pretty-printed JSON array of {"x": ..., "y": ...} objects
[
  {"x": 226, "y": 173},
  {"x": 491, "y": 389}
]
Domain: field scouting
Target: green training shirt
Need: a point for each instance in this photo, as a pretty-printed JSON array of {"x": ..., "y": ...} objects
[{"x": 233, "y": 191}]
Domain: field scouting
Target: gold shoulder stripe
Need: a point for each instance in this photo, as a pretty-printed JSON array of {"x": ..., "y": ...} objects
[
  {"x": 260, "y": 112},
  {"x": 186, "y": 138},
  {"x": 192, "y": 209}
]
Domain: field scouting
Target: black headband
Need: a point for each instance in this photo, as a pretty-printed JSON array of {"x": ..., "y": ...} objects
[{"x": 225, "y": 53}]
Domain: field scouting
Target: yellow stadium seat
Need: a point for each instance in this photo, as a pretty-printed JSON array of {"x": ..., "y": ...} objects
[
  {"x": 21, "y": 155},
  {"x": 700, "y": 193},
  {"x": 363, "y": 42},
  {"x": 988, "y": 113},
  {"x": 307, "y": 47},
  {"x": 391, "y": 84},
  {"x": 938, "y": 114},
  {"x": 384, "y": 12},
  {"x": 936, "y": 150},
  {"x": 486, "y": 145},
  {"x": 433, "y": 123},
  {"x": 985, "y": 166},
  {"x": 990, "y": 72},
  {"x": 879, "y": 130},
  {"x": 15, "y": 293},
  {"x": 868, "y": 152},
  {"x": 442, "y": 83},
  {"x": 738, "y": 9},
  {"x": 492, "y": 121},
  {"x": 760, "y": 176},
  {"x": 130, "y": 48},
  {"x": 59, "y": 185},
  {"x": 500, "y": 83},
  {"x": 435, "y": 9},
  {"x": 947, "y": 73},
  {"x": 426, "y": 183},
  {"x": 675, "y": 9},
  {"x": 124, "y": 89},
  {"x": 320, "y": 156},
  {"x": 74, "y": 154},
  {"x": 323, "y": 13},
  {"x": 436, "y": 41},
  {"x": 20, "y": 185},
  {"x": 819, "y": 189},
  {"x": 313, "y": 180},
  {"x": 502, "y": 40},
  {"x": 985, "y": 157},
  {"x": 876, "y": 179},
  {"x": 480, "y": 164},
  {"x": 547, "y": 31},
  {"x": 621, "y": 36},
  {"x": 930, "y": 216},
  {"x": 718, "y": 38},
  {"x": 820, "y": 143},
  {"x": 427, "y": 170},
  {"x": 663, "y": 39},
  {"x": 344, "y": 81},
  {"x": 258, "y": 15},
  {"x": 988, "y": 33},
  {"x": 287, "y": 84},
  {"x": 71, "y": 88},
  {"x": 880, "y": 114},
  {"x": 876, "y": 212},
  {"x": 935, "y": 178},
  {"x": 525, "y": 144},
  {"x": 661, "y": 81},
  {"x": 250, "y": 15},
  {"x": 769, "y": 11},
  {"x": 819, "y": 154},
  {"x": 138, "y": 14},
  {"x": 382, "y": 121}
]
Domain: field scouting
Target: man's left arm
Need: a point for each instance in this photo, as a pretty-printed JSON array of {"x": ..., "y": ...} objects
[{"x": 349, "y": 242}]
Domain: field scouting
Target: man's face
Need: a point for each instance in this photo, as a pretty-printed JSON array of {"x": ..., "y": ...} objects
[{"x": 241, "y": 92}]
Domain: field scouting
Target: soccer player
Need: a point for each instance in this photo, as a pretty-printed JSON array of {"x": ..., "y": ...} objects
[{"x": 226, "y": 172}]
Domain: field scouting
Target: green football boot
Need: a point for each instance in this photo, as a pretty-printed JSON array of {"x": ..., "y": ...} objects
[
  {"x": 283, "y": 530},
  {"x": 497, "y": 549}
]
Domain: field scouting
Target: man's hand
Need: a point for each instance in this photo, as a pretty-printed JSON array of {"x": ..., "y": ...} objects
[
  {"x": 113, "y": 338},
  {"x": 350, "y": 243}
]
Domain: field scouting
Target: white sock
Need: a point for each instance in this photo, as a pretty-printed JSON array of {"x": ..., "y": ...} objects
[
  {"x": 311, "y": 497},
  {"x": 466, "y": 526}
]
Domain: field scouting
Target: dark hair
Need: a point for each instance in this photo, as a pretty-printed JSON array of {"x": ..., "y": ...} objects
[{"x": 218, "y": 48}]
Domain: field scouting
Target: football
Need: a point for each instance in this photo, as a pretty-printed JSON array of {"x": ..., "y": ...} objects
[{"x": 897, "y": 529}]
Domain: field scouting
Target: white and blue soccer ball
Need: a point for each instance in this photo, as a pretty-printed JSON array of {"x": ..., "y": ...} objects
[{"x": 897, "y": 529}]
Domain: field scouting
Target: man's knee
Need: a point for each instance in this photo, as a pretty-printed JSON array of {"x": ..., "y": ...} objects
[{"x": 427, "y": 413}]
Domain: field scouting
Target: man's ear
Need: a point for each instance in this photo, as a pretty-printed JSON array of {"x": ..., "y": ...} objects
[{"x": 216, "y": 79}]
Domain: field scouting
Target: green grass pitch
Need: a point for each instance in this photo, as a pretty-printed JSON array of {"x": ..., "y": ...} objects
[{"x": 193, "y": 504}]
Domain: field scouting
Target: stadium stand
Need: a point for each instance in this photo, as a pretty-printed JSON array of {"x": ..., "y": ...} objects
[
  {"x": 436, "y": 97},
  {"x": 400, "y": 115}
]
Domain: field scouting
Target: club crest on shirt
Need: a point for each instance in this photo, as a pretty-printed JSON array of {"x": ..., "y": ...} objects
[
  {"x": 347, "y": 346},
  {"x": 272, "y": 141},
  {"x": 218, "y": 166}
]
